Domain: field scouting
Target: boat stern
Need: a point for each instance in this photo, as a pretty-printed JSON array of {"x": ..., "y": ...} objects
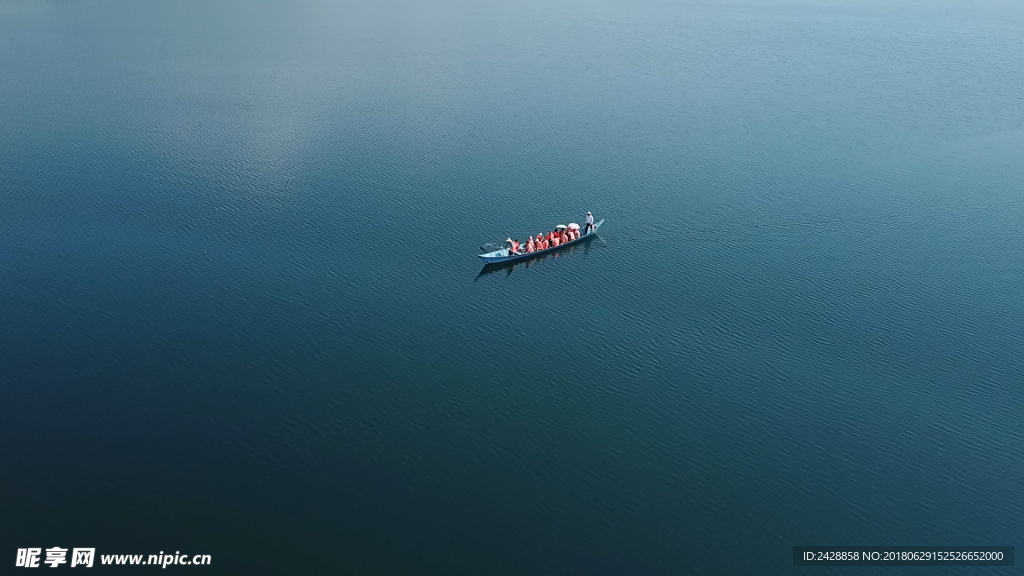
[{"x": 496, "y": 256}]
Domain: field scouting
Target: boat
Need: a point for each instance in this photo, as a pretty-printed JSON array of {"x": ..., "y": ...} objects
[{"x": 502, "y": 256}]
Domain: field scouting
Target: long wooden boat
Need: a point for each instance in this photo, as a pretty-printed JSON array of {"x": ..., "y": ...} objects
[{"x": 500, "y": 256}]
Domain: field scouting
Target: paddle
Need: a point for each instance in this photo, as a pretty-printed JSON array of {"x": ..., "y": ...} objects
[{"x": 491, "y": 247}]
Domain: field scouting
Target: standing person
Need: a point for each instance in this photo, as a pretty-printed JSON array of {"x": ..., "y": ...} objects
[{"x": 589, "y": 224}]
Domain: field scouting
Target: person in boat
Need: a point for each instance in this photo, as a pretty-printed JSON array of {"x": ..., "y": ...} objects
[
  {"x": 555, "y": 238},
  {"x": 530, "y": 246},
  {"x": 541, "y": 243},
  {"x": 565, "y": 235},
  {"x": 589, "y": 226},
  {"x": 513, "y": 247}
]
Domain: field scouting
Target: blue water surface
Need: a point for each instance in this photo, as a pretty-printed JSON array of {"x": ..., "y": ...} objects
[{"x": 241, "y": 313}]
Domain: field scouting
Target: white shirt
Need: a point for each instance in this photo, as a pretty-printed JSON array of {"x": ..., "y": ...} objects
[{"x": 590, "y": 218}]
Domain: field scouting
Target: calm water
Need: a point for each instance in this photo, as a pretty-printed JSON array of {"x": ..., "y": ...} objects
[{"x": 240, "y": 311}]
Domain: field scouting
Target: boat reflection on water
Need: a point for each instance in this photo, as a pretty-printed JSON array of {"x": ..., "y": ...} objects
[{"x": 508, "y": 267}]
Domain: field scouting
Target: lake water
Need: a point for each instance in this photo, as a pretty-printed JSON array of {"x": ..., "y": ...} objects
[{"x": 241, "y": 312}]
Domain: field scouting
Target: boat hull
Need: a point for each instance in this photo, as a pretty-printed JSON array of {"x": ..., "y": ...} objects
[{"x": 501, "y": 256}]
